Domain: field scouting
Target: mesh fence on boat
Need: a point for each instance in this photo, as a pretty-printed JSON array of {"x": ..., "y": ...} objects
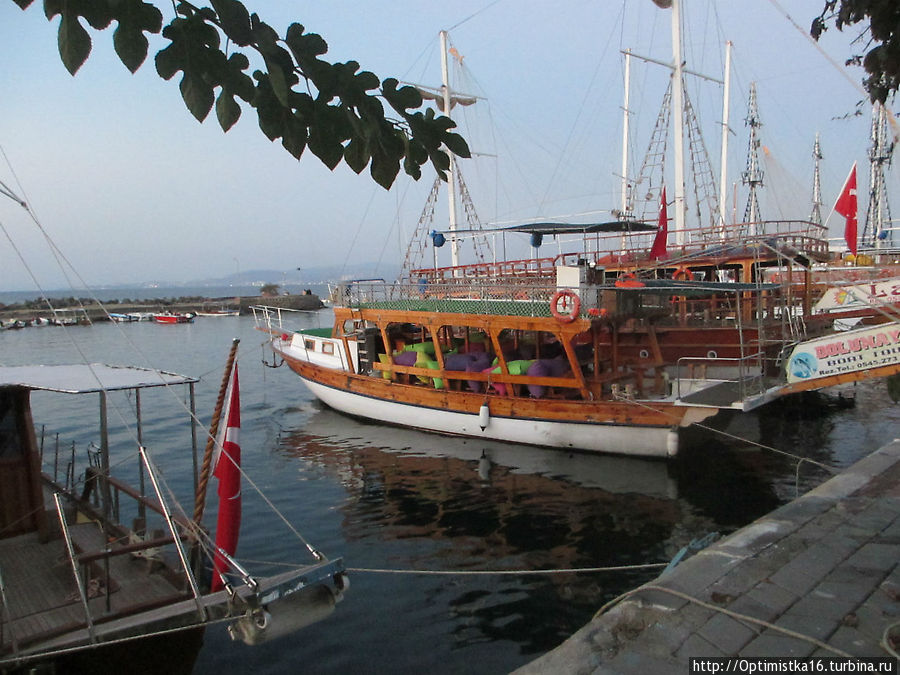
[{"x": 527, "y": 298}]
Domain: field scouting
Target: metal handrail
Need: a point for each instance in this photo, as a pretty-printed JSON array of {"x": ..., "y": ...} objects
[
  {"x": 182, "y": 554},
  {"x": 67, "y": 538},
  {"x": 7, "y": 618},
  {"x": 736, "y": 359}
]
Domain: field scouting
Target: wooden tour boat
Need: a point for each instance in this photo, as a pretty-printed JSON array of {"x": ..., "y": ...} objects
[{"x": 580, "y": 363}]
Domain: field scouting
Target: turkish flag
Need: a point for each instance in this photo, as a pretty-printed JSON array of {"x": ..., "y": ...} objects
[
  {"x": 227, "y": 470},
  {"x": 658, "y": 250},
  {"x": 846, "y": 205}
]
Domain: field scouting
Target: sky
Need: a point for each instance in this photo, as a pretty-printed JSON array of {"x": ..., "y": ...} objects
[{"x": 131, "y": 188}]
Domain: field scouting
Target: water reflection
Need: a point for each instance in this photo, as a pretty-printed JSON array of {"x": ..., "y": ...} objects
[{"x": 420, "y": 501}]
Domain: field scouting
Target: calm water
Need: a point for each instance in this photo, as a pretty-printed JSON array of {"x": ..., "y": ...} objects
[{"x": 385, "y": 498}]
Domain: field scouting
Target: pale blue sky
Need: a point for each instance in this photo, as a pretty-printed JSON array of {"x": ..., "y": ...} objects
[{"x": 132, "y": 188}]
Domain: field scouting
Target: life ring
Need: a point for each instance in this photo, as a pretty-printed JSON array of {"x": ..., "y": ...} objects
[
  {"x": 628, "y": 280},
  {"x": 565, "y": 305},
  {"x": 683, "y": 274}
]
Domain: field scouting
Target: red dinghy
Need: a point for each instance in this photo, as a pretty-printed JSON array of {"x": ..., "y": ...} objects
[{"x": 173, "y": 317}]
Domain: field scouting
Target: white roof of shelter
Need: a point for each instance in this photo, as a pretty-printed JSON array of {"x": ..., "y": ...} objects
[{"x": 84, "y": 378}]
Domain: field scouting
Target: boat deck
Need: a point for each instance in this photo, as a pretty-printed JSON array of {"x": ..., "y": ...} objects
[{"x": 41, "y": 596}]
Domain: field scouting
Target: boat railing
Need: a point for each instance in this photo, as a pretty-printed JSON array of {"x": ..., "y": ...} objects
[
  {"x": 750, "y": 378},
  {"x": 520, "y": 297},
  {"x": 276, "y": 319}
]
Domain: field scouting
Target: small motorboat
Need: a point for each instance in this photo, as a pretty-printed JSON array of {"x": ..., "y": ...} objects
[{"x": 173, "y": 317}]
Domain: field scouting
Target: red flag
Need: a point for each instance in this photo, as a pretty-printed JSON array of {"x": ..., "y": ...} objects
[
  {"x": 227, "y": 470},
  {"x": 846, "y": 206},
  {"x": 658, "y": 250}
]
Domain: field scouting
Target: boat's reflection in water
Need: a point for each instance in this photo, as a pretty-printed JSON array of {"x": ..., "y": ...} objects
[{"x": 420, "y": 501}]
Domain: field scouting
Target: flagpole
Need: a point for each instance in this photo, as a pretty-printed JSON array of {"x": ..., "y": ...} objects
[{"x": 200, "y": 496}]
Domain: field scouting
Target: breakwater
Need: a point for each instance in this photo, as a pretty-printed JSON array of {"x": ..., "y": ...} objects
[{"x": 96, "y": 312}]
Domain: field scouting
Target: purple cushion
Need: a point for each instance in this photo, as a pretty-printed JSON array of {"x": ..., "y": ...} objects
[
  {"x": 406, "y": 358},
  {"x": 538, "y": 369}
]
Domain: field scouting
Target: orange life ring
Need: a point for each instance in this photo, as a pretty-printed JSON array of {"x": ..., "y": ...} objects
[
  {"x": 683, "y": 273},
  {"x": 628, "y": 280},
  {"x": 565, "y": 305}
]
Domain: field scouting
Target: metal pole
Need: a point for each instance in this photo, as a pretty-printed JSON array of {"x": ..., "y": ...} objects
[
  {"x": 104, "y": 456},
  {"x": 625, "y": 120},
  {"x": 142, "y": 509},
  {"x": 176, "y": 538},
  {"x": 193, "y": 403},
  {"x": 723, "y": 169},
  {"x": 451, "y": 182},
  {"x": 678, "y": 121}
]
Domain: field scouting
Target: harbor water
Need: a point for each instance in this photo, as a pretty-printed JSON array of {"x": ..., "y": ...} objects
[{"x": 396, "y": 504}]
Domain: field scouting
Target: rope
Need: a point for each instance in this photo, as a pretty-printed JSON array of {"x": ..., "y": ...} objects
[
  {"x": 573, "y": 570},
  {"x": 762, "y": 446},
  {"x": 200, "y": 497},
  {"x": 570, "y": 570},
  {"x": 734, "y": 615}
]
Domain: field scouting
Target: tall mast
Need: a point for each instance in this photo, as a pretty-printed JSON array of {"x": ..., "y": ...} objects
[
  {"x": 878, "y": 212},
  {"x": 678, "y": 120},
  {"x": 753, "y": 176},
  {"x": 723, "y": 171},
  {"x": 625, "y": 120},
  {"x": 451, "y": 178},
  {"x": 815, "y": 215}
]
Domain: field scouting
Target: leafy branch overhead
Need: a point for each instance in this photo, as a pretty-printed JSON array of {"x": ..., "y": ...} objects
[
  {"x": 336, "y": 110},
  {"x": 880, "y": 41}
]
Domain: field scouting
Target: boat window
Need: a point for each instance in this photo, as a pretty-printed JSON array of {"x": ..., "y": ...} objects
[
  {"x": 310, "y": 345},
  {"x": 328, "y": 348}
]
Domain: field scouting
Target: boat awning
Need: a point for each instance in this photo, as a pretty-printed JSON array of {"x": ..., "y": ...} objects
[
  {"x": 581, "y": 228},
  {"x": 611, "y": 226},
  {"x": 84, "y": 378}
]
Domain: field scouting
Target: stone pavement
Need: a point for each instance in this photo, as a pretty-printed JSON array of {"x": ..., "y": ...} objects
[{"x": 817, "y": 577}]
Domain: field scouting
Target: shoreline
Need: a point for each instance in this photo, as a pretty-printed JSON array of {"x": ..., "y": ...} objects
[{"x": 98, "y": 312}]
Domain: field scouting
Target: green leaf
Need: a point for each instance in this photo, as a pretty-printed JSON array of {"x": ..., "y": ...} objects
[
  {"x": 356, "y": 154},
  {"x": 227, "y": 110},
  {"x": 130, "y": 47},
  {"x": 168, "y": 62},
  {"x": 304, "y": 47},
  {"x": 384, "y": 169},
  {"x": 198, "y": 96},
  {"x": 278, "y": 81},
  {"x": 235, "y": 21},
  {"x": 326, "y": 145},
  {"x": 74, "y": 43},
  {"x": 294, "y": 137},
  {"x": 400, "y": 99},
  {"x": 135, "y": 17},
  {"x": 23, "y": 4},
  {"x": 457, "y": 145}
]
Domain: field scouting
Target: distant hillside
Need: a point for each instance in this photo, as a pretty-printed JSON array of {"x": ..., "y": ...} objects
[{"x": 306, "y": 275}]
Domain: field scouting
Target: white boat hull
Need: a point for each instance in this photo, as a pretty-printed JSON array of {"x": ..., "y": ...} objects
[{"x": 639, "y": 441}]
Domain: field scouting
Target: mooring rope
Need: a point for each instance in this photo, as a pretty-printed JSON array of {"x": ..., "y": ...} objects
[
  {"x": 506, "y": 572},
  {"x": 734, "y": 615}
]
